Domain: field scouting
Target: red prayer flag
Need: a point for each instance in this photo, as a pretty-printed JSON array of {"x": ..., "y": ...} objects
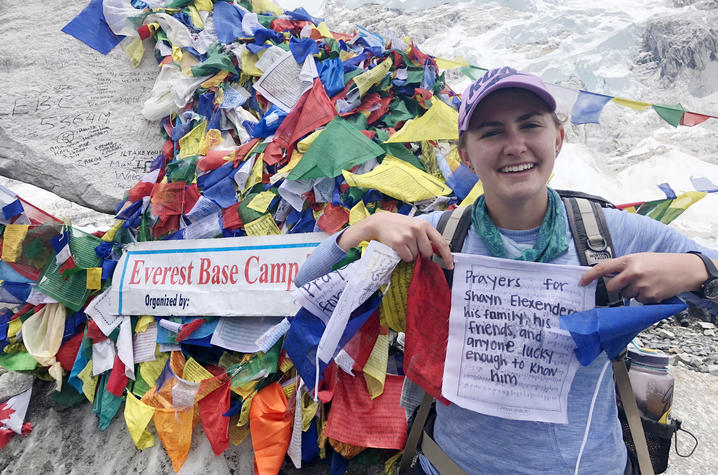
[
  {"x": 691, "y": 118},
  {"x": 230, "y": 217},
  {"x": 357, "y": 419},
  {"x": 333, "y": 218},
  {"x": 361, "y": 345},
  {"x": 273, "y": 154},
  {"x": 427, "y": 327},
  {"x": 139, "y": 191},
  {"x": 168, "y": 199},
  {"x": 216, "y": 427},
  {"x": 117, "y": 381},
  {"x": 189, "y": 328},
  {"x": 313, "y": 110},
  {"x": 68, "y": 351},
  {"x": 191, "y": 195}
]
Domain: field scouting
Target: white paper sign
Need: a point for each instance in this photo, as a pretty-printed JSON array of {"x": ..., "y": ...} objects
[{"x": 506, "y": 355}]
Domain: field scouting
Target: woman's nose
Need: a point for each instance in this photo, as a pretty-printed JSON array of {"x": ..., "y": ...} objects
[{"x": 515, "y": 143}]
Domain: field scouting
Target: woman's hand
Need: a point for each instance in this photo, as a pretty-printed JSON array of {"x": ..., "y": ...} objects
[
  {"x": 408, "y": 237},
  {"x": 650, "y": 277}
]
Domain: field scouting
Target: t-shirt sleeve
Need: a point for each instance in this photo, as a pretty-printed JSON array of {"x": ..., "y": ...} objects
[
  {"x": 320, "y": 261},
  {"x": 632, "y": 233}
]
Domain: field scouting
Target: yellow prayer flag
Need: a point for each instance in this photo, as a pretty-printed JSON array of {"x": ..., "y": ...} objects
[
  {"x": 324, "y": 30},
  {"x": 392, "y": 310},
  {"x": 135, "y": 50},
  {"x": 635, "y": 105},
  {"x": 13, "y": 237},
  {"x": 137, "y": 416},
  {"x": 89, "y": 382},
  {"x": 110, "y": 233},
  {"x": 344, "y": 55},
  {"x": 261, "y": 201},
  {"x": 189, "y": 144},
  {"x": 453, "y": 159},
  {"x": 285, "y": 365},
  {"x": 255, "y": 176},
  {"x": 244, "y": 412},
  {"x": 440, "y": 122},
  {"x": 13, "y": 327},
  {"x": 248, "y": 63},
  {"x": 296, "y": 156},
  {"x": 289, "y": 390},
  {"x": 143, "y": 323},
  {"x": 266, "y": 6},
  {"x": 367, "y": 79},
  {"x": 209, "y": 141},
  {"x": 195, "y": 372},
  {"x": 304, "y": 144},
  {"x": 687, "y": 199},
  {"x": 357, "y": 213},
  {"x": 94, "y": 278},
  {"x": 246, "y": 390},
  {"x": 215, "y": 80},
  {"x": 400, "y": 180},
  {"x": 151, "y": 370},
  {"x": 475, "y": 192},
  {"x": 392, "y": 463},
  {"x": 443, "y": 63},
  {"x": 309, "y": 410},
  {"x": 375, "y": 367},
  {"x": 237, "y": 434},
  {"x": 204, "y": 5},
  {"x": 228, "y": 359},
  {"x": 197, "y": 21},
  {"x": 263, "y": 226},
  {"x": 177, "y": 54}
]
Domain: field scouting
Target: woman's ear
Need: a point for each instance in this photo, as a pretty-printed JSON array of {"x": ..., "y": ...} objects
[
  {"x": 559, "y": 139},
  {"x": 465, "y": 158}
]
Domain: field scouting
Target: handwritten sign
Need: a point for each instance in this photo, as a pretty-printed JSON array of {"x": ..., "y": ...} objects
[
  {"x": 506, "y": 355},
  {"x": 245, "y": 276}
]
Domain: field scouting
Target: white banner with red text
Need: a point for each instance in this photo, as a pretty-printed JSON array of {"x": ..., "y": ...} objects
[{"x": 244, "y": 276}]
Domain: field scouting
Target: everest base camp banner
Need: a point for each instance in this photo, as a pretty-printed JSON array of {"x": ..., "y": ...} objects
[{"x": 244, "y": 276}]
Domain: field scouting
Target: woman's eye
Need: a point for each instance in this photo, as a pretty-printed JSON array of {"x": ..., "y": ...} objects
[
  {"x": 490, "y": 133},
  {"x": 531, "y": 125}
]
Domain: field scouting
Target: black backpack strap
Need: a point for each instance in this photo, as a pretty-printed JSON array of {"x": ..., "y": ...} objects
[
  {"x": 592, "y": 239},
  {"x": 454, "y": 226}
]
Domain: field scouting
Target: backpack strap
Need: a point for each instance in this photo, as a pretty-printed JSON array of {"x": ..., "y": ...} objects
[
  {"x": 454, "y": 226},
  {"x": 593, "y": 240},
  {"x": 628, "y": 399}
]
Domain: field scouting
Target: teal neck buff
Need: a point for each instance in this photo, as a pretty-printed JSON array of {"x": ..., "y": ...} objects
[{"x": 552, "y": 240}]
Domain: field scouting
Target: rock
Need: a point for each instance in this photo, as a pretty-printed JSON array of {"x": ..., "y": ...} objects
[
  {"x": 706, "y": 325},
  {"x": 713, "y": 369},
  {"x": 666, "y": 334},
  {"x": 13, "y": 383},
  {"x": 709, "y": 332},
  {"x": 70, "y": 117}
]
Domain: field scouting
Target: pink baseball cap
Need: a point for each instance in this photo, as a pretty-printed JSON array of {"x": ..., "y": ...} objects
[{"x": 496, "y": 79}]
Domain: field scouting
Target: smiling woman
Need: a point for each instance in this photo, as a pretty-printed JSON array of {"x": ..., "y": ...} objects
[{"x": 510, "y": 136}]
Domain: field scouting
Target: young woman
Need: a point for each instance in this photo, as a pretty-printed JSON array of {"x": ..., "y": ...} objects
[{"x": 510, "y": 137}]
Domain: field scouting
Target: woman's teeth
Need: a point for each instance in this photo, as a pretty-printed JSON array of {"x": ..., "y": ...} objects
[{"x": 516, "y": 168}]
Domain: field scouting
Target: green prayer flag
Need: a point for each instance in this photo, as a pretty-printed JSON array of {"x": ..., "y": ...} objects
[
  {"x": 398, "y": 112},
  {"x": 217, "y": 60},
  {"x": 183, "y": 169},
  {"x": 260, "y": 364},
  {"x": 671, "y": 114},
  {"x": 265, "y": 20},
  {"x": 400, "y": 151},
  {"x": 20, "y": 361},
  {"x": 106, "y": 404},
  {"x": 68, "y": 396},
  {"x": 338, "y": 147}
]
